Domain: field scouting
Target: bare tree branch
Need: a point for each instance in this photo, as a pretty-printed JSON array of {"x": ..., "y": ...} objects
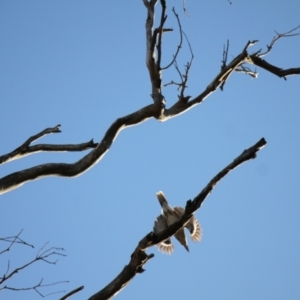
[
  {"x": 25, "y": 149},
  {"x": 139, "y": 257},
  {"x": 158, "y": 110},
  {"x": 163, "y": 19},
  {"x": 256, "y": 58},
  {"x": 225, "y": 55},
  {"x": 42, "y": 255},
  {"x": 180, "y": 42},
  {"x": 155, "y": 110},
  {"x": 273, "y": 69},
  {"x": 276, "y": 38},
  {"x": 14, "y": 240},
  {"x": 183, "y": 77},
  {"x": 151, "y": 63},
  {"x": 35, "y": 288},
  {"x": 247, "y": 71},
  {"x": 67, "y": 296}
]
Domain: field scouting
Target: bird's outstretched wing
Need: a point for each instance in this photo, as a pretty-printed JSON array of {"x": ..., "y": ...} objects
[
  {"x": 195, "y": 229},
  {"x": 159, "y": 225},
  {"x": 193, "y": 225}
]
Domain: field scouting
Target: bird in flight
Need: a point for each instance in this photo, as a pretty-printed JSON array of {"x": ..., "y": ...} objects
[{"x": 169, "y": 216}]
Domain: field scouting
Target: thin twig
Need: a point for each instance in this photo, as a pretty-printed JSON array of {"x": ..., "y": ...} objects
[
  {"x": 180, "y": 42},
  {"x": 184, "y": 9},
  {"x": 225, "y": 55},
  {"x": 36, "y": 287},
  {"x": 276, "y": 38},
  {"x": 14, "y": 240},
  {"x": 41, "y": 255}
]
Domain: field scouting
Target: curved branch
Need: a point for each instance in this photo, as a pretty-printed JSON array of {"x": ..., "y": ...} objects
[
  {"x": 17, "y": 179},
  {"x": 139, "y": 257},
  {"x": 156, "y": 110},
  {"x": 180, "y": 42},
  {"x": 256, "y": 60}
]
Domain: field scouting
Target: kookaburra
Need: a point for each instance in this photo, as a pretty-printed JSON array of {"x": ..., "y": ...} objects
[{"x": 169, "y": 216}]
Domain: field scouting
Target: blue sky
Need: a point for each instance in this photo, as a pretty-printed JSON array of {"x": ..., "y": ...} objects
[{"x": 81, "y": 64}]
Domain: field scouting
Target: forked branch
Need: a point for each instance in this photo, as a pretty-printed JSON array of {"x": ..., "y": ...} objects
[
  {"x": 11, "y": 240},
  {"x": 290, "y": 33},
  {"x": 158, "y": 110},
  {"x": 256, "y": 58},
  {"x": 45, "y": 255},
  {"x": 25, "y": 149}
]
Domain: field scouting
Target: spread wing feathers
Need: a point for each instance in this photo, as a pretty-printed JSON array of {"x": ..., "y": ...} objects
[
  {"x": 160, "y": 224},
  {"x": 193, "y": 225},
  {"x": 195, "y": 229}
]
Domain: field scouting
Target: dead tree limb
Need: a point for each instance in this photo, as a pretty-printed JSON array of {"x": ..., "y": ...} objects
[
  {"x": 157, "y": 110},
  {"x": 45, "y": 255},
  {"x": 139, "y": 257},
  {"x": 25, "y": 149},
  {"x": 42, "y": 255}
]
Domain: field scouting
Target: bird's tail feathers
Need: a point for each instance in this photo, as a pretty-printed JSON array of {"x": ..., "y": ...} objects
[{"x": 161, "y": 198}]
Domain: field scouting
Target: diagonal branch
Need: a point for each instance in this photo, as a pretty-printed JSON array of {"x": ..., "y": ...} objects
[
  {"x": 282, "y": 73},
  {"x": 139, "y": 257},
  {"x": 14, "y": 240},
  {"x": 25, "y": 149},
  {"x": 67, "y": 296}
]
